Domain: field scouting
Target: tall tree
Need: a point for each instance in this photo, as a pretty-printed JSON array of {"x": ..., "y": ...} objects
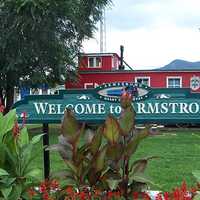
[{"x": 41, "y": 39}]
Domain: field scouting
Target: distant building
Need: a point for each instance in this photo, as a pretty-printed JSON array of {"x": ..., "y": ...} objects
[{"x": 98, "y": 68}]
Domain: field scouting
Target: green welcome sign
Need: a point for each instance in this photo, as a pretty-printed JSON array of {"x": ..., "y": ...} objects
[{"x": 160, "y": 106}]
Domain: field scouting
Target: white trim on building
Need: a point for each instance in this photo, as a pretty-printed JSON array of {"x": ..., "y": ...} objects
[
  {"x": 143, "y": 80},
  {"x": 170, "y": 85}
]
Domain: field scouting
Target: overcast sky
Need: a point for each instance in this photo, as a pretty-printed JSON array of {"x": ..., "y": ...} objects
[{"x": 153, "y": 32}]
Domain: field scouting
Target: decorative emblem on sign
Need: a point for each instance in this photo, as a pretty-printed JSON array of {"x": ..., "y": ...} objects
[
  {"x": 113, "y": 91},
  {"x": 163, "y": 96},
  {"x": 83, "y": 97},
  {"x": 195, "y": 83}
]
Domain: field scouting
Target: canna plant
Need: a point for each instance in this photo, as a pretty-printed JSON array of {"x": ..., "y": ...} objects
[
  {"x": 16, "y": 152},
  {"x": 102, "y": 161}
]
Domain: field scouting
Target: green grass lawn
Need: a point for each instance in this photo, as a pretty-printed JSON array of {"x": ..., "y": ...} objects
[{"x": 178, "y": 152}]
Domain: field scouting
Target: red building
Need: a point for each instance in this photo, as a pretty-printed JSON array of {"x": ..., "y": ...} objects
[{"x": 98, "y": 68}]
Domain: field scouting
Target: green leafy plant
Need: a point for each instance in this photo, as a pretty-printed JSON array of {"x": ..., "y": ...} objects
[
  {"x": 102, "y": 161},
  {"x": 16, "y": 151}
]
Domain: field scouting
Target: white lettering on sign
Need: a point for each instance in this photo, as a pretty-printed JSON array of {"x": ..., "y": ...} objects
[
  {"x": 140, "y": 108},
  {"x": 173, "y": 107},
  {"x": 40, "y": 107},
  {"x": 163, "y": 108},
  {"x": 153, "y": 108},
  {"x": 118, "y": 109},
  {"x": 60, "y": 111},
  {"x": 194, "y": 108},
  {"x": 101, "y": 108},
  {"x": 115, "y": 109},
  {"x": 52, "y": 109},
  {"x": 184, "y": 108},
  {"x": 90, "y": 109}
]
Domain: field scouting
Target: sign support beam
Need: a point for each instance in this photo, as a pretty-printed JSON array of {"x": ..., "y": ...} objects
[{"x": 46, "y": 155}]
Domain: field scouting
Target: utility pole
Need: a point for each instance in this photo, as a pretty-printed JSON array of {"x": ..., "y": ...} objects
[{"x": 103, "y": 33}]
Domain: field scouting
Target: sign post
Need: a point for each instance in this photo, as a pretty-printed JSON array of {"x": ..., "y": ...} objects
[{"x": 46, "y": 156}]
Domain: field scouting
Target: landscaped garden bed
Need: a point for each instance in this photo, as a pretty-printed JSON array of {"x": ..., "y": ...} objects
[
  {"x": 174, "y": 147},
  {"x": 178, "y": 151},
  {"x": 101, "y": 165}
]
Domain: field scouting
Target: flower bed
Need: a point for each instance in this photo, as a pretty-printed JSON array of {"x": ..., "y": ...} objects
[
  {"x": 51, "y": 190},
  {"x": 100, "y": 168}
]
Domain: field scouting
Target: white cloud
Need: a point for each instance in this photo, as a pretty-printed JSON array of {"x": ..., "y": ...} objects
[
  {"x": 168, "y": 30},
  {"x": 133, "y": 13}
]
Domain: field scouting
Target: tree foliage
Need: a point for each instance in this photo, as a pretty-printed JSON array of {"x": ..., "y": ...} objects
[{"x": 40, "y": 39}]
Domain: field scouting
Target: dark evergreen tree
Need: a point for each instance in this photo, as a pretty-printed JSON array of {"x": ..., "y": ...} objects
[{"x": 41, "y": 39}]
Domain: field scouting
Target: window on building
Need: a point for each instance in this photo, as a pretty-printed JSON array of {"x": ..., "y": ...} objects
[
  {"x": 174, "y": 82},
  {"x": 94, "y": 62},
  {"x": 90, "y": 85},
  {"x": 115, "y": 61},
  {"x": 143, "y": 80}
]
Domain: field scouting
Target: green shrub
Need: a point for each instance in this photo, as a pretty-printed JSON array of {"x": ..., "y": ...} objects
[
  {"x": 16, "y": 153},
  {"x": 102, "y": 161}
]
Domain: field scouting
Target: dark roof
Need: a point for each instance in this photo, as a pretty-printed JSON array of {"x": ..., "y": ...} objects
[{"x": 180, "y": 65}]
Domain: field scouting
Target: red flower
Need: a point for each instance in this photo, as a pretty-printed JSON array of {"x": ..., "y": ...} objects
[
  {"x": 54, "y": 185},
  {"x": 182, "y": 193},
  {"x": 43, "y": 187},
  {"x": 176, "y": 194},
  {"x": 145, "y": 196},
  {"x": 184, "y": 187},
  {"x": 2, "y": 107},
  {"x": 135, "y": 195},
  {"x": 126, "y": 99},
  {"x": 24, "y": 117},
  {"x": 110, "y": 194},
  {"x": 166, "y": 196},
  {"x": 70, "y": 193},
  {"x": 97, "y": 193},
  {"x": 31, "y": 193},
  {"x": 69, "y": 190},
  {"x": 159, "y": 197},
  {"x": 15, "y": 130},
  {"x": 193, "y": 190},
  {"x": 45, "y": 196},
  {"x": 82, "y": 195}
]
